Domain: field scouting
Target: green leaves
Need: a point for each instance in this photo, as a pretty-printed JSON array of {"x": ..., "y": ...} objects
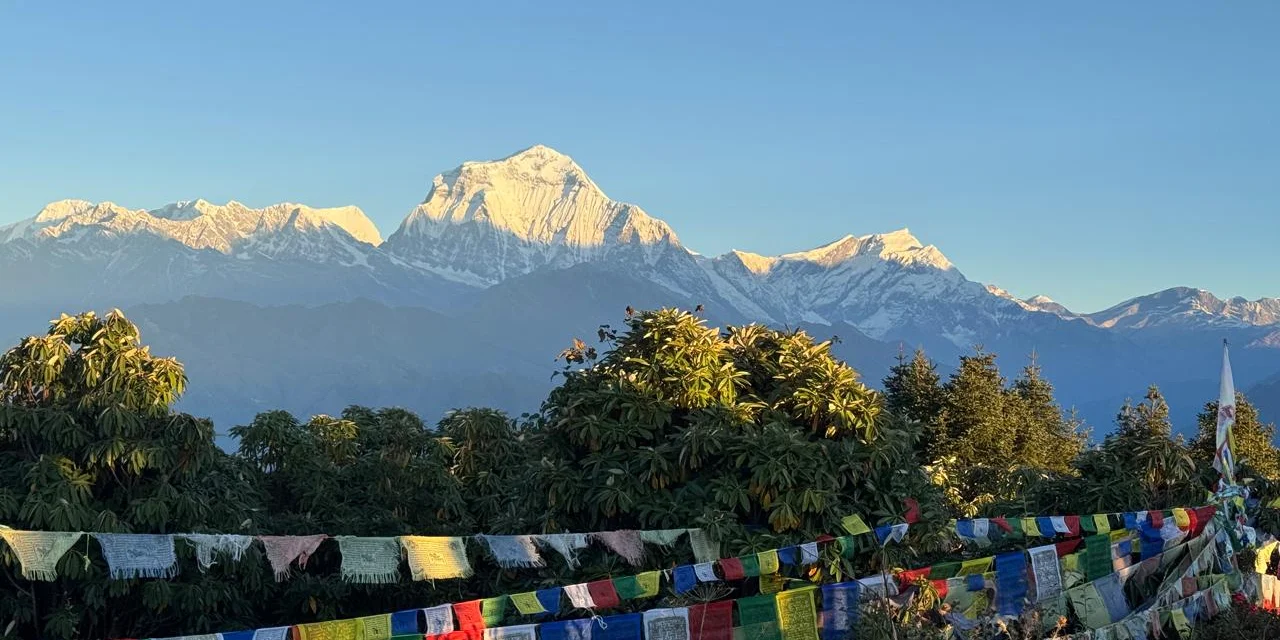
[{"x": 750, "y": 429}]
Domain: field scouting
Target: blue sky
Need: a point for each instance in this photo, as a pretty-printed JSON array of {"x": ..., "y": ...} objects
[{"x": 1091, "y": 151}]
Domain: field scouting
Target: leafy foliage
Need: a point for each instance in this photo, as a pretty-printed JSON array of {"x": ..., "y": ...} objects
[
  {"x": 88, "y": 443},
  {"x": 757, "y": 435},
  {"x": 750, "y": 430}
]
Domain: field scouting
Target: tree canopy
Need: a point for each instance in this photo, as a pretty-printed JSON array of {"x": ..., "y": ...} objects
[{"x": 759, "y": 436}]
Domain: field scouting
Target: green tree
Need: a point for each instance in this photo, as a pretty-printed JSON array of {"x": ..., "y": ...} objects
[
  {"x": 492, "y": 462},
  {"x": 1046, "y": 438},
  {"x": 755, "y": 434},
  {"x": 974, "y": 421},
  {"x": 1141, "y": 452},
  {"x": 89, "y": 442},
  {"x": 913, "y": 391},
  {"x": 1253, "y": 439}
]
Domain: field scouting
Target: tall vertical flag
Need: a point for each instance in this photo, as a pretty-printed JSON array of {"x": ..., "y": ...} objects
[{"x": 1224, "y": 459}]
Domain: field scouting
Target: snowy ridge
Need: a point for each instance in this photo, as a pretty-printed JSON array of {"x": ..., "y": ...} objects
[
  {"x": 1188, "y": 307},
  {"x": 196, "y": 224}
]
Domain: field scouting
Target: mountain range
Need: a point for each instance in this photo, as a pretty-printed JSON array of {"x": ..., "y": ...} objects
[{"x": 504, "y": 262}]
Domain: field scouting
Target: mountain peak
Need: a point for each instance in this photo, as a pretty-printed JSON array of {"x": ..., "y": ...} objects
[
  {"x": 534, "y": 207},
  {"x": 1188, "y": 306}
]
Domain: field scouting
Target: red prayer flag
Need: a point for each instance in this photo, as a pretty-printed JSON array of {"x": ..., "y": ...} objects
[
  {"x": 1003, "y": 524},
  {"x": 469, "y": 616},
  {"x": 711, "y": 621},
  {"x": 1073, "y": 523},
  {"x": 1157, "y": 518},
  {"x": 913, "y": 510},
  {"x": 906, "y": 578},
  {"x": 1068, "y": 547},
  {"x": 732, "y": 569},
  {"x": 941, "y": 587},
  {"x": 603, "y": 594}
]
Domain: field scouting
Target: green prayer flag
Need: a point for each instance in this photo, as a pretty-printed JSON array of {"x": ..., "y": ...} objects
[
  {"x": 1097, "y": 556},
  {"x": 1087, "y": 525},
  {"x": 758, "y": 615},
  {"x": 493, "y": 610},
  {"x": 750, "y": 566},
  {"x": 944, "y": 570},
  {"x": 628, "y": 587},
  {"x": 854, "y": 525},
  {"x": 1089, "y": 606},
  {"x": 528, "y": 604},
  {"x": 847, "y": 548}
]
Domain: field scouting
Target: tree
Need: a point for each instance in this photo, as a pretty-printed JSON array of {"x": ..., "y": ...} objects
[
  {"x": 492, "y": 462},
  {"x": 748, "y": 431},
  {"x": 1045, "y": 438},
  {"x": 89, "y": 442},
  {"x": 1142, "y": 452},
  {"x": 1253, "y": 439},
  {"x": 974, "y": 422},
  {"x": 913, "y": 391}
]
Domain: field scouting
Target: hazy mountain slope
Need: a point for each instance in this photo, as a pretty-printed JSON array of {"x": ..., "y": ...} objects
[{"x": 242, "y": 359}]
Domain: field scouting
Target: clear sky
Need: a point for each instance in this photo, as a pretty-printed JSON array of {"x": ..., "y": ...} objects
[{"x": 1091, "y": 151}]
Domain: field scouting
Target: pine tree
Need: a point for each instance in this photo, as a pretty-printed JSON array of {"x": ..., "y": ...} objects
[
  {"x": 1145, "y": 420},
  {"x": 1253, "y": 439},
  {"x": 976, "y": 431},
  {"x": 913, "y": 391},
  {"x": 1141, "y": 446},
  {"x": 1045, "y": 438}
]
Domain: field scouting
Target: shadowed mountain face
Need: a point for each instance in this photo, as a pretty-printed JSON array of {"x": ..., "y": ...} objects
[{"x": 505, "y": 262}]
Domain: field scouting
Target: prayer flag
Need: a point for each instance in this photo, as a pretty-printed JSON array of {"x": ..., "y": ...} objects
[
  {"x": 797, "y": 614},
  {"x": 1224, "y": 459},
  {"x": 854, "y": 525}
]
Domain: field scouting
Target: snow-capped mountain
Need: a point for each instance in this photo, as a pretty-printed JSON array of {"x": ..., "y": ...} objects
[
  {"x": 879, "y": 283},
  {"x": 485, "y": 222},
  {"x": 531, "y": 238},
  {"x": 104, "y": 253},
  {"x": 1186, "y": 307},
  {"x": 1035, "y": 303},
  {"x": 196, "y": 224}
]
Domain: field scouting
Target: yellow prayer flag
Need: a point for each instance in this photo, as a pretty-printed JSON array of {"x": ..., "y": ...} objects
[
  {"x": 331, "y": 630},
  {"x": 1181, "y": 518},
  {"x": 1120, "y": 535},
  {"x": 979, "y": 607},
  {"x": 527, "y": 603},
  {"x": 1180, "y": 622},
  {"x": 1071, "y": 562},
  {"x": 375, "y": 627},
  {"x": 648, "y": 583},
  {"x": 975, "y": 566},
  {"x": 768, "y": 561},
  {"x": 1030, "y": 529},
  {"x": 854, "y": 525},
  {"x": 771, "y": 582},
  {"x": 1274, "y": 504},
  {"x": 434, "y": 558},
  {"x": 1100, "y": 521},
  {"x": 797, "y": 614}
]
